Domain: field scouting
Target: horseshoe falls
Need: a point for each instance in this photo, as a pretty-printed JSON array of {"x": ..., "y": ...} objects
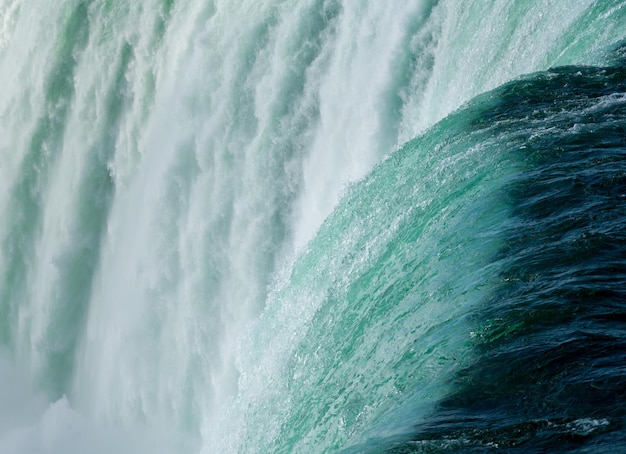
[{"x": 312, "y": 226}]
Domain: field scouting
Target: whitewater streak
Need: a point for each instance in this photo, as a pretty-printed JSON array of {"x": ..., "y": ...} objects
[{"x": 164, "y": 163}]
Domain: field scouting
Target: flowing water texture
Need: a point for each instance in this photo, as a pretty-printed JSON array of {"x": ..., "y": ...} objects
[{"x": 312, "y": 226}]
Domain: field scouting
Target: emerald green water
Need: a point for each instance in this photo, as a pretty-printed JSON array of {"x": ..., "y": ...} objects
[{"x": 311, "y": 226}]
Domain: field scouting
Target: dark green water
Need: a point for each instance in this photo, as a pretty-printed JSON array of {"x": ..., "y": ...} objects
[{"x": 551, "y": 337}]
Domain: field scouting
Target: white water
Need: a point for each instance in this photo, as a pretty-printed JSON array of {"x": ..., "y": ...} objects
[{"x": 223, "y": 133}]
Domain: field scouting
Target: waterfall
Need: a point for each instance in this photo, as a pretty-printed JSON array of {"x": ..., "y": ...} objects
[{"x": 260, "y": 226}]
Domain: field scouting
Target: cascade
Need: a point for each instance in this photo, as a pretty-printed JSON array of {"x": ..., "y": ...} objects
[{"x": 305, "y": 226}]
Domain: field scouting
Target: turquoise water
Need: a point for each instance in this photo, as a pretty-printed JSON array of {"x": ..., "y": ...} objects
[{"x": 312, "y": 226}]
